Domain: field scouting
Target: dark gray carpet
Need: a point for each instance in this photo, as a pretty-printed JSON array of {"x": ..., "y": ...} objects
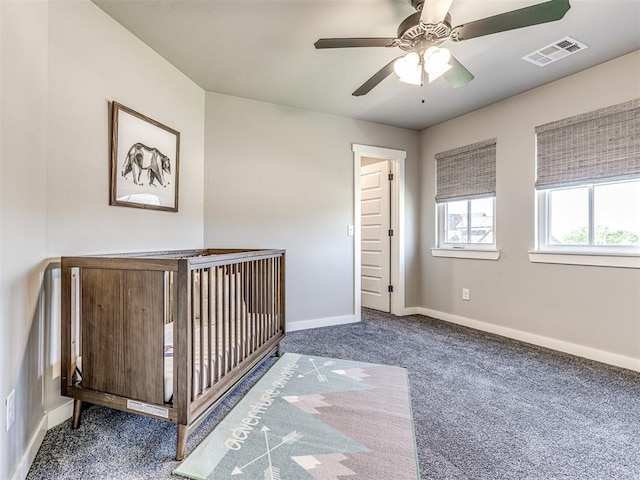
[{"x": 485, "y": 407}]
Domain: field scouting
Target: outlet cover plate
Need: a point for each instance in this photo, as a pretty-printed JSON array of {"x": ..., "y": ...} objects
[{"x": 11, "y": 409}]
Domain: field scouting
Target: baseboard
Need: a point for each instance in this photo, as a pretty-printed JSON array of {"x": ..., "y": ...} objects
[
  {"x": 551, "y": 343},
  {"x": 47, "y": 422},
  {"x": 22, "y": 469},
  {"x": 60, "y": 414},
  {"x": 411, "y": 311},
  {"x": 321, "y": 322}
]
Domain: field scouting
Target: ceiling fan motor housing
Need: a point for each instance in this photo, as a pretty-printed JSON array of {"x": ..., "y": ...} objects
[{"x": 411, "y": 33}]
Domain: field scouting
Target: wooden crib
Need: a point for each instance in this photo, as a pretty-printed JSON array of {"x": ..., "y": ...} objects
[{"x": 168, "y": 334}]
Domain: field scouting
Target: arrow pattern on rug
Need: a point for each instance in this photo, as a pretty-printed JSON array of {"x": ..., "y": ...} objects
[
  {"x": 321, "y": 378},
  {"x": 270, "y": 473}
]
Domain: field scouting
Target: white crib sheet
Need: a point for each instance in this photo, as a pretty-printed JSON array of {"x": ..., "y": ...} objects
[{"x": 168, "y": 359}]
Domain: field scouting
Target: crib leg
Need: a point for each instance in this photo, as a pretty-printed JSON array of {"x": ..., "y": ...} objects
[
  {"x": 181, "y": 444},
  {"x": 77, "y": 410},
  {"x": 278, "y": 352}
]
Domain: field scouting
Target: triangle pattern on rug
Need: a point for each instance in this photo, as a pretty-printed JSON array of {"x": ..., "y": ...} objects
[
  {"x": 324, "y": 467},
  {"x": 307, "y": 403}
]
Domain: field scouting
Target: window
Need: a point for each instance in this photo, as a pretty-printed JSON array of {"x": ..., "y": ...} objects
[
  {"x": 594, "y": 217},
  {"x": 588, "y": 184},
  {"x": 467, "y": 222},
  {"x": 465, "y": 197}
]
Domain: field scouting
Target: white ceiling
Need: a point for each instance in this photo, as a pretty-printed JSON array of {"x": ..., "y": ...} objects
[{"x": 263, "y": 50}]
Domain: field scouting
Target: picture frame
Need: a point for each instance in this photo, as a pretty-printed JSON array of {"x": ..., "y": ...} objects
[{"x": 145, "y": 159}]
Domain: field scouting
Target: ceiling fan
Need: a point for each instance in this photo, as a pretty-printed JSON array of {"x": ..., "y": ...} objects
[{"x": 422, "y": 33}]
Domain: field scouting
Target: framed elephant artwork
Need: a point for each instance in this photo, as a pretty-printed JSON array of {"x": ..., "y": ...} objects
[{"x": 144, "y": 161}]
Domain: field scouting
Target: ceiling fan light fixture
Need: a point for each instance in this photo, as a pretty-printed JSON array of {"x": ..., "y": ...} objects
[
  {"x": 436, "y": 62},
  {"x": 435, "y": 59},
  {"x": 434, "y": 74},
  {"x": 409, "y": 69}
]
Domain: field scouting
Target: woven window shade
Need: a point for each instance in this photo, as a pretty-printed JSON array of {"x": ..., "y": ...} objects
[
  {"x": 603, "y": 145},
  {"x": 466, "y": 172}
]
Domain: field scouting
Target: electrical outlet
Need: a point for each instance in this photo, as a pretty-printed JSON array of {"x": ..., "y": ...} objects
[
  {"x": 11, "y": 409},
  {"x": 465, "y": 294},
  {"x": 350, "y": 230}
]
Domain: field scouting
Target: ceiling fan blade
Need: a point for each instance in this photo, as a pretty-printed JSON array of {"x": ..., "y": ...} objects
[
  {"x": 457, "y": 75},
  {"x": 435, "y": 11},
  {"x": 379, "y": 76},
  {"x": 523, "y": 17},
  {"x": 354, "y": 42}
]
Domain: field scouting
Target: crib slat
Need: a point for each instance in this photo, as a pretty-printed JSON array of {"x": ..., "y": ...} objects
[
  {"x": 232, "y": 316},
  {"x": 201, "y": 384},
  {"x": 238, "y": 316},
  {"x": 239, "y": 301},
  {"x": 210, "y": 314},
  {"x": 245, "y": 324},
  {"x": 252, "y": 305},
  {"x": 267, "y": 280},
  {"x": 225, "y": 323},
  {"x": 276, "y": 294},
  {"x": 259, "y": 304},
  {"x": 272, "y": 292},
  {"x": 263, "y": 309},
  {"x": 217, "y": 315},
  {"x": 191, "y": 327}
]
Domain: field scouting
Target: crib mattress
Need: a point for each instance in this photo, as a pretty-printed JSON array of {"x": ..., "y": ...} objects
[{"x": 168, "y": 359}]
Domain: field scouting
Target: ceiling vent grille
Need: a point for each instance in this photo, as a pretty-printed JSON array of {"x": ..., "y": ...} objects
[{"x": 554, "y": 51}]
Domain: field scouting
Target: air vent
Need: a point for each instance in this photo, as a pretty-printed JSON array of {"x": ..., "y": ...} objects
[{"x": 554, "y": 52}]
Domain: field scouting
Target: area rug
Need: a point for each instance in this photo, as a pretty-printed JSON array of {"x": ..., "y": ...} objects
[{"x": 314, "y": 418}]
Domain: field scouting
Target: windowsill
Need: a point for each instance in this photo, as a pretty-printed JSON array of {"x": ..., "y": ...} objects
[
  {"x": 465, "y": 253},
  {"x": 591, "y": 259}
]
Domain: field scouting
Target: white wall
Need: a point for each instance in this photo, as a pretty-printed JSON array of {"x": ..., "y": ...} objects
[
  {"x": 596, "y": 310},
  {"x": 281, "y": 177},
  {"x": 62, "y": 62}
]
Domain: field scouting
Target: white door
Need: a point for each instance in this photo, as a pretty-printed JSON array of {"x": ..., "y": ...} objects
[{"x": 376, "y": 242}]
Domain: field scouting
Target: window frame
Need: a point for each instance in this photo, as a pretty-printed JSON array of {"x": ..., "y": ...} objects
[
  {"x": 543, "y": 226},
  {"x": 482, "y": 251},
  {"x": 589, "y": 255}
]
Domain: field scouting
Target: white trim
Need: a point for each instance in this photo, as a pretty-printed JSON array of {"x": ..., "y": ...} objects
[
  {"x": 29, "y": 454},
  {"x": 47, "y": 422},
  {"x": 410, "y": 311},
  {"x": 397, "y": 158},
  {"x": 565, "y": 258},
  {"x": 321, "y": 322},
  {"x": 551, "y": 343},
  {"x": 466, "y": 253},
  {"x": 60, "y": 414},
  {"x": 440, "y": 230},
  {"x": 378, "y": 152},
  {"x": 542, "y": 245}
]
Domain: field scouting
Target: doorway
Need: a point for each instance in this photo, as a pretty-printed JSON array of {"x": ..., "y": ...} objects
[{"x": 395, "y": 160}]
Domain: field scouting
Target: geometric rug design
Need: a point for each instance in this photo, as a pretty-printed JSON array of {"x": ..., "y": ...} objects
[{"x": 314, "y": 418}]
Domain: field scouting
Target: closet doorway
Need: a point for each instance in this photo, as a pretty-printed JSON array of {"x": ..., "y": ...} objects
[{"x": 378, "y": 246}]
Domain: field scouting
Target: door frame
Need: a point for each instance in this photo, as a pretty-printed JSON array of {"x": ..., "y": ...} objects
[{"x": 397, "y": 160}]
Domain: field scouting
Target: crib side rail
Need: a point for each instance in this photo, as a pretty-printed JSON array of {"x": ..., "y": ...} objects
[{"x": 234, "y": 306}]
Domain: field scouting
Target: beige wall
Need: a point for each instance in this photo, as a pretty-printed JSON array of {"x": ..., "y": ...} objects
[
  {"x": 62, "y": 62},
  {"x": 593, "y": 307},
  {"x": 282, "y": 177},
  {"x": 22, "y": 216}
]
